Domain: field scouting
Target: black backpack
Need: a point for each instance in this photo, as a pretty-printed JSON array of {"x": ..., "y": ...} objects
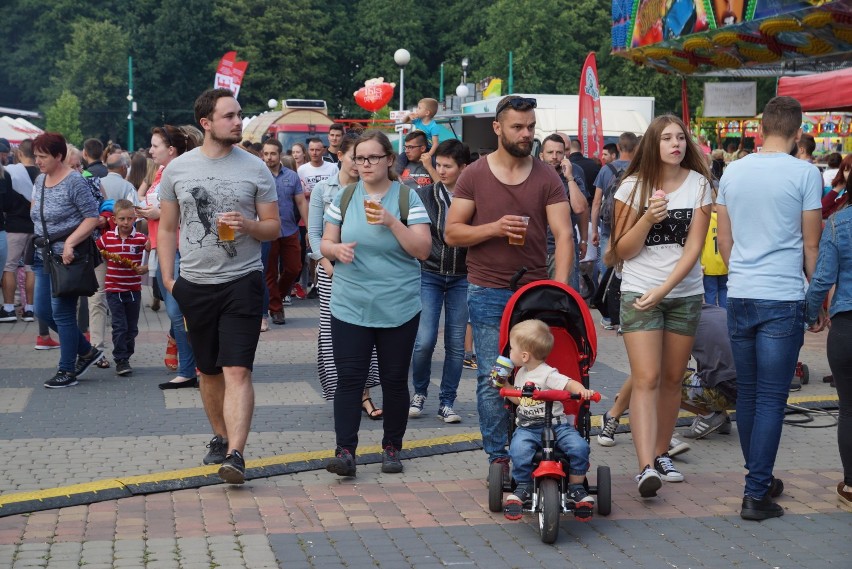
[{"x": 608, "y": 199}]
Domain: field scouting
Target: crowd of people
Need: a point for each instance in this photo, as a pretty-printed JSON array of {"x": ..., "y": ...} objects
[{"x": 705, "y": 254}]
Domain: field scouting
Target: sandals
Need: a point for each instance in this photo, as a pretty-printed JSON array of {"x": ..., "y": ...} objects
[
  {"x": 171, "y": 359},
  {"x": 371, "y": 410}
]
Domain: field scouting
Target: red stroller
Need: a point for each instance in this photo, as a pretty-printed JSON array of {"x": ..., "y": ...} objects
[{"x": 574, "y": 350}]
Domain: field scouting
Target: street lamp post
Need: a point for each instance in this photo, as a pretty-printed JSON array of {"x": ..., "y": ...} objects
[
  {"x": 462, "y": 91},
  {"x": 401, "y": 57}
]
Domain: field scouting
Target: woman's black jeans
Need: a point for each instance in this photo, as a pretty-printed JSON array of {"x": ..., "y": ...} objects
[
  {"x": 353, "y": 348},
  {"x": 840, "y": 361}
]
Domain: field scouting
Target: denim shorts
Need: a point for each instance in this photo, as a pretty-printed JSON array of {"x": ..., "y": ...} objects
[{"x": 677, "y": 315}]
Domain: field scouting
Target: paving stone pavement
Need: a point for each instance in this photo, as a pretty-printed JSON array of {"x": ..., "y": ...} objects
[{"x": 433, "y": 515}]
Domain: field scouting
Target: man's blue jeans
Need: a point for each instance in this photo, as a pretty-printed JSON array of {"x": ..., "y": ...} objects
[
  {"x": 438, "y": 291},
  {"x": 186, "y": 358},
  {"x": 60, "y": 314},
  {"x": 766, "y": 336},
  {"x": 486, "y": 309}
]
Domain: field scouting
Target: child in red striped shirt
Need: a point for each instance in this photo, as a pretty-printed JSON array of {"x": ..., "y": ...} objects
[{"x": 122, "y": 249}]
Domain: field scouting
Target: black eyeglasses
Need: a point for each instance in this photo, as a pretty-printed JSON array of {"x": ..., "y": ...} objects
[
  {"x": 360, "y": 160},
  {"x": 517, "y": 103}
]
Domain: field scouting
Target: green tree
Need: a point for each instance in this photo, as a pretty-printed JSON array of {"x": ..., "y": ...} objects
[
  {"x": 94, "y": 67},
  {"x": 63, "y": 116},
  {"x": 175, "y": 52},
  {"x": 380, "y": 28},
  {"x": 288, "y": 48},
  {"x": 548, "y": 41}
]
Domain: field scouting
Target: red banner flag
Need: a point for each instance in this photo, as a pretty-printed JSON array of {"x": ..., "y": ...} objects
[
  {"x": 589, "y": 117},
  {"x": 229, "y": 74}
]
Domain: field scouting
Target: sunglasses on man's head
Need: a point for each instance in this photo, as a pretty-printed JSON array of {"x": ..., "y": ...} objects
[{"x": 517, "y": 103}]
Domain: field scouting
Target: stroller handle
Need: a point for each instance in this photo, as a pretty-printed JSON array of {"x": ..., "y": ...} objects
[{"x": 547, "y": 394}]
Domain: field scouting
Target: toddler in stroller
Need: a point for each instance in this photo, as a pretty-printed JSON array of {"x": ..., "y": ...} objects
[{"x": 530, "y": 344}]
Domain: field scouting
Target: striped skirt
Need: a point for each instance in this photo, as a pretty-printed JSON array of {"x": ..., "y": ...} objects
[{"x": 326, "y": 369}]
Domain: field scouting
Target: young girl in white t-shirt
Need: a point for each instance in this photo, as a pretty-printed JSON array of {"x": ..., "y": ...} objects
[{"x": 662, "y": 212}]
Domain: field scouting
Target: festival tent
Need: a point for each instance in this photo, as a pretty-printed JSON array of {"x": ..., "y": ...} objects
[
  {"x": 16, "y": 130},
  {"x": 830, "y": 91}
]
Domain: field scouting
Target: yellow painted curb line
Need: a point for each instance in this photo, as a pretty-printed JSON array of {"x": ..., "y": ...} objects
[{"x": 112, "y": 488}]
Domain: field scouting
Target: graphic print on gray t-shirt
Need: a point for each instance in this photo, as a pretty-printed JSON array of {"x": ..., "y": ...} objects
[
  {"x": 199, "y": 226},
  {"x": 204, "y": 187}
]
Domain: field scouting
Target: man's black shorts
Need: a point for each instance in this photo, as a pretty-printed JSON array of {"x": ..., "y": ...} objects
[{"x": 222, "y": 320}]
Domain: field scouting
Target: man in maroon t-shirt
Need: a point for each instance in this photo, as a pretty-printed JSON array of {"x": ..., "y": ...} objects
[{"x": 490, "y": 200}]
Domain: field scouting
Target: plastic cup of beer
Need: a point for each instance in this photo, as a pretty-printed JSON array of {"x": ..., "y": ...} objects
[
  {"x": 226, "y": 232},
  {"x": 523, "y": 238},
  {"x": 372, "y": 208}
]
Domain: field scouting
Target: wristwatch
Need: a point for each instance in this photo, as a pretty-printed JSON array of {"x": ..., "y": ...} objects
[{"x": 571, "y": 179}]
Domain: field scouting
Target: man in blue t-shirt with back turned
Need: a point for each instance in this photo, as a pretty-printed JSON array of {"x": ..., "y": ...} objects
[{"x": 769, "y": 228}]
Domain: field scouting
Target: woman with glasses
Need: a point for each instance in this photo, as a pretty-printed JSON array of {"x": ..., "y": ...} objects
[
  {"x": 375, "y": 296},
  {"x": 837, "y": 196},
  {"x": 167, "y": 143},
  {"x": 321, "y": 198}
]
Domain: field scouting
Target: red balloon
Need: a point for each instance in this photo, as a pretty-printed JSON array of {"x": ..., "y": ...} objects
[{"x": 374, "y": 97}]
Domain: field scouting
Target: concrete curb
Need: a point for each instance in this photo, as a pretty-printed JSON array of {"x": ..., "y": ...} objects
[{"x": 171, "y": 480}]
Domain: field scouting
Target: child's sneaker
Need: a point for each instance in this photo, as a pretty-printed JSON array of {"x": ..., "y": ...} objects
[
  {"x": 122, "y": 367},
  {"x": 649, "y": 482},
  {"x": 666, "y": 468},
  {"x": 584, "y": 504},
  {"x": 606, "y": 438},
  {"x": 513, "y": 507}
]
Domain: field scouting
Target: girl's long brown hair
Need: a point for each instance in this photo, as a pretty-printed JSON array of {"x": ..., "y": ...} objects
[{"x": 646, "y": 167}]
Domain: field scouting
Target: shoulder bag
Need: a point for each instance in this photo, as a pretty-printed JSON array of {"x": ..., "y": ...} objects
[{"x": 77, "y": 278}]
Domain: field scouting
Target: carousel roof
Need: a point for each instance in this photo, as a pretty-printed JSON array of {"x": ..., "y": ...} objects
[{"x": 734, "y": 38}]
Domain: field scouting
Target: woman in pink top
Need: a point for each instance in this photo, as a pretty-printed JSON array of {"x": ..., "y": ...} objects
[{"x": 167, "y": 143}]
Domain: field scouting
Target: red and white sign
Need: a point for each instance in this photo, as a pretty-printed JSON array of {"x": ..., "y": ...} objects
[
  {"x": 590, "y": 129},
  {"x": 229, "y": 74}
]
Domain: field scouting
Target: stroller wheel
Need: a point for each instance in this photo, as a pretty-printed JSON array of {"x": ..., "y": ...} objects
[
  {"x": 495, "y": 487},
  {"x": 604, "y": 491},
  {"x": 806, "y": 374}
]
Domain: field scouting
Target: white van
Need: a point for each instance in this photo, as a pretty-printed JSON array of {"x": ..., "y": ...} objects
[{"x": 557, "y": 113}]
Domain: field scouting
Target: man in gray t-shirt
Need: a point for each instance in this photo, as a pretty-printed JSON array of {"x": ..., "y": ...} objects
[{"x": 223, "y": 202}]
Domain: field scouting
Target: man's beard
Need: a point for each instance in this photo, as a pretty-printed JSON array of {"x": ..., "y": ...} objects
[
  {"x": 226, "y": 141},
  {"x": 516, "y": 149}
]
